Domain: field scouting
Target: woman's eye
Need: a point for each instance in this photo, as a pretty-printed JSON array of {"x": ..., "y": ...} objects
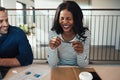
[{"x": 62, "y": 19}]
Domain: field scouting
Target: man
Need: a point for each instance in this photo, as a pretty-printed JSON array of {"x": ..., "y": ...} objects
[{"x": 15, "y": 49}]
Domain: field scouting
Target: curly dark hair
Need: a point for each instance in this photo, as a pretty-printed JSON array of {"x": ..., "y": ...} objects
[{"x": 76, "y": 11}]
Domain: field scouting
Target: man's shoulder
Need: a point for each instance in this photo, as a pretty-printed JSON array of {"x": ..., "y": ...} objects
[{"x": 15, "y": 29}]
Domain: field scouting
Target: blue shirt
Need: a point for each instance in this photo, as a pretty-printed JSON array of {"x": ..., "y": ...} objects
[{"x": 15, "y": 44}]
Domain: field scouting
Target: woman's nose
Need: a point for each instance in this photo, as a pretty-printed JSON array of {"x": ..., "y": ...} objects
[{"x": 65, "y": 21}]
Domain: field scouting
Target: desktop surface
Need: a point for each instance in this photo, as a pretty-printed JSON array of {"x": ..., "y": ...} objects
[
  {"x": 105, "y": 72},
  {"x": 71, "y": 73}
]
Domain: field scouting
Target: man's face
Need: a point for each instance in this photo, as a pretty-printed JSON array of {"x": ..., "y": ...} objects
[{"x": 4, "y": 24}]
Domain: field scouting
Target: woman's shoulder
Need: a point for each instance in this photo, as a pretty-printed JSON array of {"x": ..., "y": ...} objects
[
  {"x": 52, "y": 33},
  {"x": 87, "y": 33}
]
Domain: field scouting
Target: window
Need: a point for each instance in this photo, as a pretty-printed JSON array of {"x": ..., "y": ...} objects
[
  {"x": 21, "y": 14},
  {"x": 32, "y": 13}
]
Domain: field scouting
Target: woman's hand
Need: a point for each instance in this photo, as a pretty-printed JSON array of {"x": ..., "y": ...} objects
[
  {"x": 78, "y": 46},
  {"x": 55, "y": 42}
]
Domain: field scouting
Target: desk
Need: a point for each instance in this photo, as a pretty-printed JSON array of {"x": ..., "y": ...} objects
[
  {"x": 71, "y": 73},
  {"x": 106, "y": 72}
]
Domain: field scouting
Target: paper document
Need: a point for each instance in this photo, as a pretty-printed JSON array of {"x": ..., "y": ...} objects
[{"x": 32, "y": 73}]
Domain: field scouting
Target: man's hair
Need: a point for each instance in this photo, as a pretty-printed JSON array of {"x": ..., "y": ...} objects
[{"x": 2, "y": 9}]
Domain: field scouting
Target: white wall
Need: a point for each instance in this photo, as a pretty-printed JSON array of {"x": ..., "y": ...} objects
[
  {"x": 105, "y": 3},
  {"x": 12, "y": 3},
  {"x": 9, "y": 3},
  {"x": 47, "y": 3}
]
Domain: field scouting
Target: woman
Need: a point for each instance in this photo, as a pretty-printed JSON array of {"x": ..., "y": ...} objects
[{"x": 68, "y": 39}]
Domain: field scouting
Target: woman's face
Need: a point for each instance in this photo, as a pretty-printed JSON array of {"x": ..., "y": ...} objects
[{"x": 66, "y": 20}]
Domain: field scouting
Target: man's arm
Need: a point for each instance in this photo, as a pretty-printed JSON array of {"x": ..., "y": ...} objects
[{"x": 9, "y": 62}]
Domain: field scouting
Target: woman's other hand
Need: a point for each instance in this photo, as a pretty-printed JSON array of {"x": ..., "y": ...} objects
[{"x": 78, "y": 46}]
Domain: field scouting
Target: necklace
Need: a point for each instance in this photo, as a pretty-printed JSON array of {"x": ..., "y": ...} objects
[{"x": 68, "y": 37}]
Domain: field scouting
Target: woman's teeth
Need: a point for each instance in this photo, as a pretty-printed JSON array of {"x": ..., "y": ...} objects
[{"x": 66, "y": 26}]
